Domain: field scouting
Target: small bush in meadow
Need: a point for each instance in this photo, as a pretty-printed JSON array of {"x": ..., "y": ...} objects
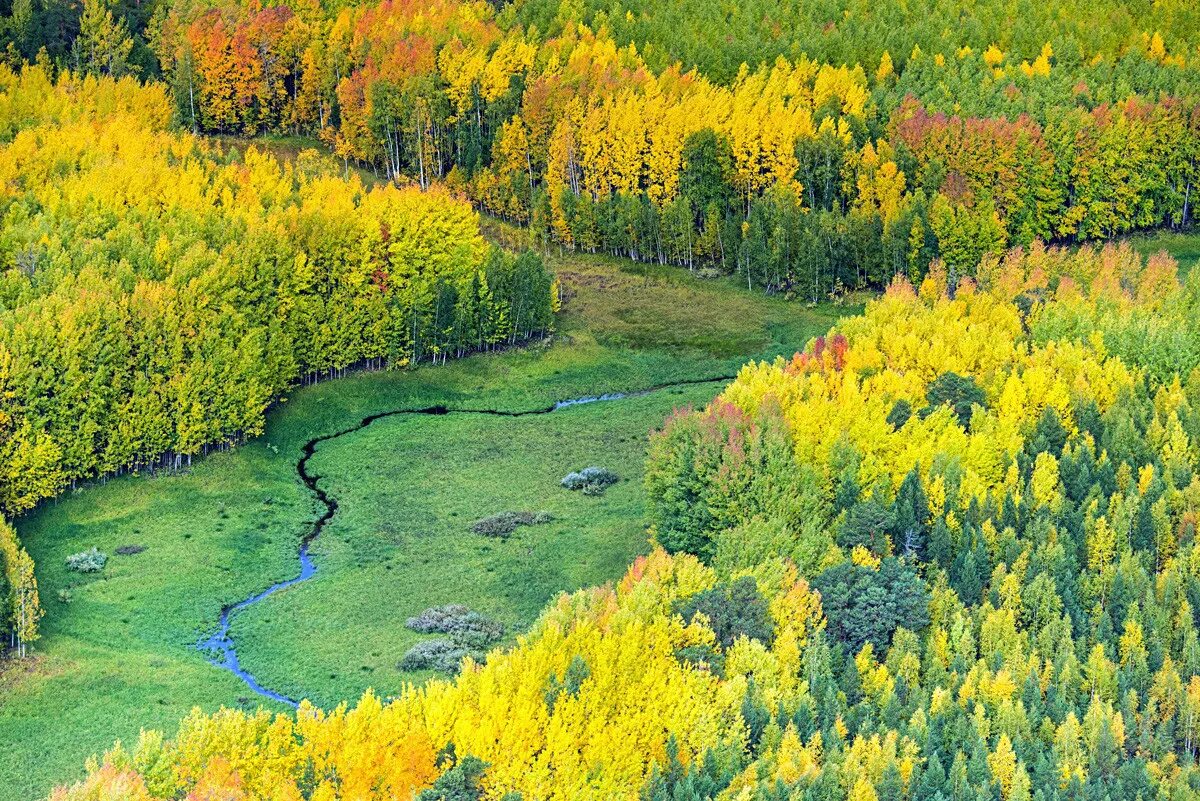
[
  {"x": 437, "y": 618},
  {"x": 465, "y": 625},
  {"x": 471, "y": 634},
  {"x": 443, "y": 655},
  {"x": 92, "y": 561},
  {"x": 590, "y": 480},
  {"x": 505, "y": 523}
]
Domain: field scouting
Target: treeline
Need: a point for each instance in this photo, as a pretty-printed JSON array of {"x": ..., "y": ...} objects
[
  {"x": 20, "y": 604},
  {"x": 793, "y": 173},
  {"x": 157, "y": 294},
  {"x": 717, "y": 38},
  {"x": 947, "y": 552}
]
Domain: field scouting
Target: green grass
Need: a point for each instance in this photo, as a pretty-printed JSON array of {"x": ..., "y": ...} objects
[
  {"x": 119, "y": 655},
  {"x": 1184, "y": 247},
  {"x": 409, "y": 488}
]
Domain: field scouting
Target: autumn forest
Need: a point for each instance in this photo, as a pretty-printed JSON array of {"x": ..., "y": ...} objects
[{"x": 641, "y": 399}]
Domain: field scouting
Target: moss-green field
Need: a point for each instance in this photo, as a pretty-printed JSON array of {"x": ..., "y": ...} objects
[
  {"x": 408, "y": 489},
  {"x": 1183, "y": 247},
  {"x": 118, "y": 652}
]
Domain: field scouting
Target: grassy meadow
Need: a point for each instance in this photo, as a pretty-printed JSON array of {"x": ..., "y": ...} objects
[{"x": 1184, "y": 247}]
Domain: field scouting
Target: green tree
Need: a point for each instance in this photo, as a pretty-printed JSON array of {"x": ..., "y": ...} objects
[
  {"x": 707, "y": 167},
  {"x": 864, "y": 604},
  {"x": 104, "y": 44},
  {"x": 23, "y": 606},
  {"x": 461, "y": 781},
  {"x": 734, "y": 610},
  {"x": 960, "y": 393}
]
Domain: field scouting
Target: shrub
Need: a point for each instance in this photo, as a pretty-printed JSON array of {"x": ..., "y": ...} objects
[
  {"x": 442, "y": 654},
  {"x": 464, "y": 624},
  {"x": 129, "y": 550},
  {"x": 87, "y": 561},
  {"x": 471, "y": 634},
  {"x": 437, "y": 618},
  {"x": 590, "y": 480},
  {"x": 505, "y": 523}
]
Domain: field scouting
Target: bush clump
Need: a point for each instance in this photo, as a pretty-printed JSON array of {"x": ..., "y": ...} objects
[
  {"x": 505, "y": 523},
  {"x": 443, "y": 655},
  {"x": 92, "y": 561},
  {"x": 471, "y": 634},
  {"x": 459, "y": 621},
  {"x": 590, "y": 480}
]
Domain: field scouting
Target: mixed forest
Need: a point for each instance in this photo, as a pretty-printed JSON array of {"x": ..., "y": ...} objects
[
  {"x": 946, "y": 551},
  {"x": 805, "y": 148}
]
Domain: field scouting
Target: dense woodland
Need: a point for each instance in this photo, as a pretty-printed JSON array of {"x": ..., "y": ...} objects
[
  {"x": 948, "y": 552},
  {"x": 807, "y": 147},
  {"x": 158, "y": 294}
]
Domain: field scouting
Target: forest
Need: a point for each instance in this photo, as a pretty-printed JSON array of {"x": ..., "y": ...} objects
[
  {"x": 904, "y": 295},
  {"x": 809, "y": 149}
]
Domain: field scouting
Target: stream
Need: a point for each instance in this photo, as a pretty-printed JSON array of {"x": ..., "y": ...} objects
[{"x": 220, "y": 647}]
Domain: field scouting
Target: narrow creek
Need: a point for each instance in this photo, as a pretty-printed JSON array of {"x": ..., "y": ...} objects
[{"x": 220, "y": 647}]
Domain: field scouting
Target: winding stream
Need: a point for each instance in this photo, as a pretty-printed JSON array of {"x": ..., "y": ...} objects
[{"x": 220, "y": 647}]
